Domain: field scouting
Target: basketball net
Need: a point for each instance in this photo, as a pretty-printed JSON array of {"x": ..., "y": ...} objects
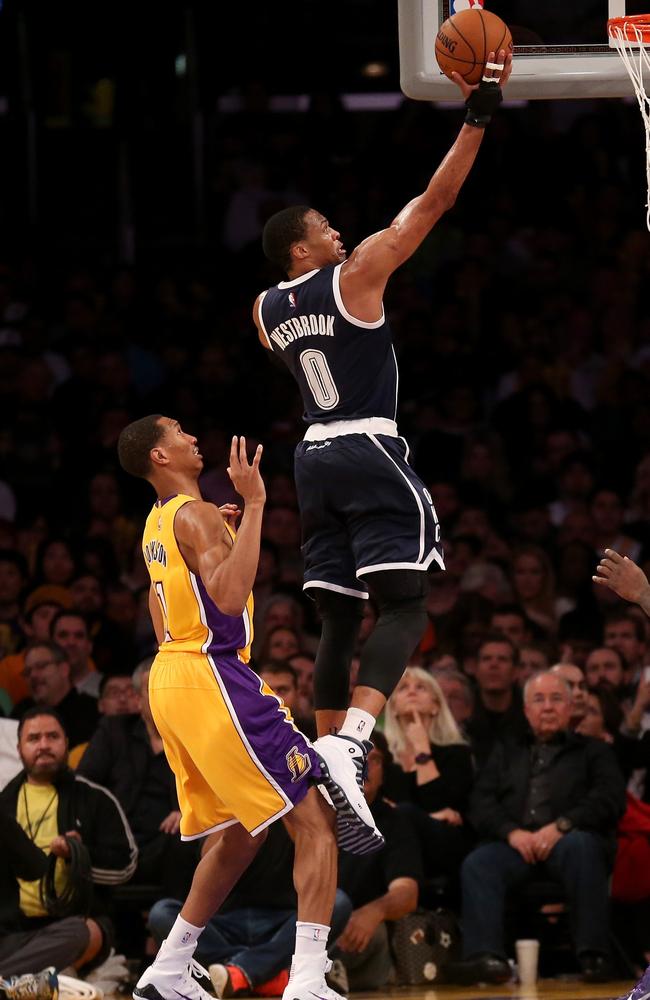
[{"x": 630, "y": 35}]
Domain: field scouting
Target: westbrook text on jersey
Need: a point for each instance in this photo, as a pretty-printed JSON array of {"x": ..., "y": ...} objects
[
  {"x": 302, "y": 326},
  {"x": 345, "y": 367}
]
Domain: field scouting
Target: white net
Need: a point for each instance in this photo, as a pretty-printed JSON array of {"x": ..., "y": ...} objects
[{"x": 631, "y": 36}]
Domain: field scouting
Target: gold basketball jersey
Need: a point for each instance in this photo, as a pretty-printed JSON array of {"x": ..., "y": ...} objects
[{"x": 192, "y": 621}]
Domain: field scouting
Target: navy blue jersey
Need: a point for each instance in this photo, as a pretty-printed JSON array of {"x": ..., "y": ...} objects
[{"x": 346, "y": 369}]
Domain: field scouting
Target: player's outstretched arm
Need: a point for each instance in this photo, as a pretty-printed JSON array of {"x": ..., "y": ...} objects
[
  {"x": 374, "y": 260},
  {"x": 227, "y": 570},
  {"x": 625, "y": 578}
]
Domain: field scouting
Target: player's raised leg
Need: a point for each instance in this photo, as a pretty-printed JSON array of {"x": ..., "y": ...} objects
[{"x": 400, "y": 596}]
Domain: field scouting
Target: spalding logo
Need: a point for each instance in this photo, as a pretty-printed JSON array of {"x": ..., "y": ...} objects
[{"x": 445, "y": 40}]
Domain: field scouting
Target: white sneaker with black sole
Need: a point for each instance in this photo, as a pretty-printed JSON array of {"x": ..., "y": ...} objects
[
  {"x": 312, "y": 986},
  {"x": 157, "y": 983},
  {"x": 342, "y": 765}
]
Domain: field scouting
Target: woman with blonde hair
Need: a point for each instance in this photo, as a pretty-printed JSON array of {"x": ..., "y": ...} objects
[{"x": 432, "y": 771}]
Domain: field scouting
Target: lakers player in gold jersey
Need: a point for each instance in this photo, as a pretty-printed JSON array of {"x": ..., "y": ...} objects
[{"x": 240, "y": 762}]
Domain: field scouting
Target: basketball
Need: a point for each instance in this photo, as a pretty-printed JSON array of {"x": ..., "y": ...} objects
[{"x": 465, "y": 40}]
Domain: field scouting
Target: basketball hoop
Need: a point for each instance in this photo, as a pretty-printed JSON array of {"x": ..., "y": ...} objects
[{"x": 630, "y": 36}]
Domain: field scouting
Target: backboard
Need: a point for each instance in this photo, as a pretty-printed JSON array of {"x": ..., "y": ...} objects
[{"x": 562, "y": 49}]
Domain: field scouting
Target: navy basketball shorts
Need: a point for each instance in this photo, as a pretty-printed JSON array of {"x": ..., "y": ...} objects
[{"x": 363, "y": 509}]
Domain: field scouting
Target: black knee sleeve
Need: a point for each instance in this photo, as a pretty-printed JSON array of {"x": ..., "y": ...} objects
[
  {"x": 401, "y": 598},
  {"x": 341, "y": 617}
]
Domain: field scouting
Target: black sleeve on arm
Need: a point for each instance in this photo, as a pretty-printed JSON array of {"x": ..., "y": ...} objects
[
  {"x": 24, "y": 858},
  {"x": 604, "y": 803},
  {"x": 486, "y": 812},
  {"x": 451, "y": 790},
  {"x": 110, "y": 842}
]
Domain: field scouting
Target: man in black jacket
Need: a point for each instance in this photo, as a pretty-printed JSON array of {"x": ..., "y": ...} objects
[
  {"x": 549, "y": 805},
  {"x": 126, "y": 756},
  {"x": 498, "y": 715},
  {"x": 61, "y": 813}
]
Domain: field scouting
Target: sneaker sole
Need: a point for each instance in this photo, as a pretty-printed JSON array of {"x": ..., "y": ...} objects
[{"x": 353, "y": 834}]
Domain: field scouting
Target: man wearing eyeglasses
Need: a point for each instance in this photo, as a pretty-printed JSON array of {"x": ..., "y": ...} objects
[{"x": 47, "y": 673}]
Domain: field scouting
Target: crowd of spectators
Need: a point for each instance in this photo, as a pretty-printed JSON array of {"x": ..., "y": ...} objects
[{"x": 524, "y": 348}]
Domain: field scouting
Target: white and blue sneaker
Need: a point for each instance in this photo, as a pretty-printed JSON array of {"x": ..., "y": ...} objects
[{"x": 342, "y": 768}]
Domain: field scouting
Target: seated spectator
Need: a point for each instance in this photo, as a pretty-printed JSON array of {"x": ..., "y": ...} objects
[
  {"x": 117, "y": 695},
  {"x": 577, "y": 685},
  {"x": 498, "y": 712},
  {"x": 534, "y": 586},
  {"x": 533, "y": 658},
  {"x": 488, "y": 580},
  {"x": 47, "y": 672},
  {"x": 54, "y": 807},
  {"x": 304, "y": 667},
  {"x": 457, "y": 691},
  {"x": 513, "y": 622},
  {"x": 603, "y": 715},
  {"x": 38, "y": 611},
  {"x": 607, "y": 510},
  {"x": 432, "y": 768},
  {"x": 382, "y": 887},
  {"x": 280, "y": 644},
  {"x": 282, "y": 678},
  {"x": 69, "y": 629},
  {"x": 126, "y": 756},
  {"x": 548, "y": 806},
  {"x": 55, "y": 562},
  {"x": 605, "y": 665},
  {"x": 248, "y": 944},
  {"x": 87, "y": 595},
  {"x": 113, "y": 649},
  {"x": 626, "y": 633}
]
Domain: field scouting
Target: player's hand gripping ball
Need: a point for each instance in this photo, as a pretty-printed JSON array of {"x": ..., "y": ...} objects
[{"x": 465, "y": 39}]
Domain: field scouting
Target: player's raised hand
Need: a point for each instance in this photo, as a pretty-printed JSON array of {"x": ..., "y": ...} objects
[
  {"x": 623, "y": 576},
  {"x": 501, "y": 76},
  {"x": 245, "y": 475}
]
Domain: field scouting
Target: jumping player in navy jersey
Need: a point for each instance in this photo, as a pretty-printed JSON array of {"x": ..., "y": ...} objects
[{"x": 368, "y": 523}]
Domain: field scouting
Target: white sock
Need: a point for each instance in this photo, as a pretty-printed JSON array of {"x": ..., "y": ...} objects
[
  {"x": 311, "y": 943},
  {"x": 183, "y": 936},
  {"x": 357, "y": 724}
]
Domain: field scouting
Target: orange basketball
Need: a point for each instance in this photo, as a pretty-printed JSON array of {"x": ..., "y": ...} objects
[{"x": 465, "y": 40}]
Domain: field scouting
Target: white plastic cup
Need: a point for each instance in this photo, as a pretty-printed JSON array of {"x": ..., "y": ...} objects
[{"x": 527, "y": 959}]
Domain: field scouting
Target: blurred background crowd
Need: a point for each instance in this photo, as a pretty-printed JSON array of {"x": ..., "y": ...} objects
[{"x": 523, "y": 341}]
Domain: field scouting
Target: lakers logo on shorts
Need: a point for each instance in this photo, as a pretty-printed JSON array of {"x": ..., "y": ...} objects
[{"x": 298, "y": 764}]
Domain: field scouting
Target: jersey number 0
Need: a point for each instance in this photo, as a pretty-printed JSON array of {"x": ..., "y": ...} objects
[{"x": 319, "y": 378}]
